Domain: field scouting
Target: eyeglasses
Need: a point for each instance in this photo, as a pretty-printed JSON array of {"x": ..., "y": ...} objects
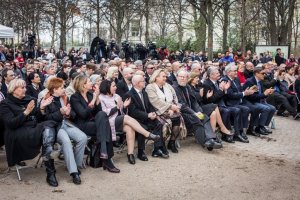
[{"x": 150, "y": 68}]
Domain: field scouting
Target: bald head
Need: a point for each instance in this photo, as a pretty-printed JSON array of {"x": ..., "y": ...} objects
[
  {"x": 175, "y": 66},
  {"x": 138, "y": 82}
]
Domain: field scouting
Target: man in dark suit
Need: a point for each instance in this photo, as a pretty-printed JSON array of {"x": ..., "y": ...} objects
[
  {"x": 262, "y": 112},
  {"x": 219, "y": 89},
  {"x": 235, "y": 98},
  {"x": 192, "y": 113},
  {"x": 149, "y": 71},
  {"x": 8, "y": 75},
  {"x": 172, "y": 77},
  {"x": 125, "y": 84},
  {"x": 141, "y": 109}
]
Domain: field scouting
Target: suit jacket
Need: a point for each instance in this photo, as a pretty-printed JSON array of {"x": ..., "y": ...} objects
[
  {"x": 171, "y": 79},
  {"x": 255, "y": 97},
  {"x": 136, "y": 108},
  {"x": 122, "y": 88},
  {"x": 83, "y": 112},
  {"x": 218, "y": 95},
  {"x": 188, "y": 101},
  {"x": 234, "y": 93},
  {"x": 31, "y": 91}
]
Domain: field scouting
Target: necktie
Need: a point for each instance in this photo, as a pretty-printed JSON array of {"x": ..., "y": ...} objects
[
  {"x": 142, "y": 99},
  {"x": 216, "y": 85}
]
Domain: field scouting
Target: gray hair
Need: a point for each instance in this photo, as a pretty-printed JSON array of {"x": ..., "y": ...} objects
[
  {"x": 136, "y": 79},
  {"x": 14, "y": 84},
  {"x": 211, "y": 70},
  {"x": 195, "y": 65},
  {"x": 230, "y": 67},
  {"x": 138, "y": 62},
  {"x": 94, "y": 78}
]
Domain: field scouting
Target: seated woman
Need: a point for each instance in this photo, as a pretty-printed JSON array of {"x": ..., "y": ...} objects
[
  {"x": 59, "y": 110},
  {"x": 34, "y": 86},
  {"x": 92, "y": 120},
  {"x": 24, "y": 131},
  {"x": 210, "y": 109},
  {"x": 113, "y": 105},
  {"x": 163, "y": 97},
  {"x": 112, "y": 74}
]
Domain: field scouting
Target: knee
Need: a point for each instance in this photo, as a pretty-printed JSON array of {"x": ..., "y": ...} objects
[{"x": 213, "y": 114}]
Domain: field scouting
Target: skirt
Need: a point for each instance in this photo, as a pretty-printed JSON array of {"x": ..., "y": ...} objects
[
  {"x": 119, "y": 123},
  {"x": 209, "y": 108}
]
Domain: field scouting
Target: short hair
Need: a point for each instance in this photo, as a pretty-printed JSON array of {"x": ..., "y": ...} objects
[
  {"x": 95, "y": 77},
  {"x": 136, "y": 78},
  {"x": 127, "y": 70},
  {"x": 91, "y": 66},
  {"x": 110, "y": 71},
  {"x": 14, "y": 84},
  {"x": 230, "y": 67},
  {"x": 4, "y": 72},
  {"x": 54, "y": 83},
  {"x": 192, "y": 76},
  {"x": 182, "y": 70},
  {"x": 79, "y": 81},
  {"x": 194, "y": 65},
  {"x": 257, "y": 70},
  {"x": 155, "y": 74},
  {"x": 105, "y": 87},
  {"x": 211, "y": 70},
  {"x": 138, "y": 62}
]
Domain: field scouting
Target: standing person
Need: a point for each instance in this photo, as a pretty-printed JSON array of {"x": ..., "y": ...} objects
[{"x": 113, "y": 106}]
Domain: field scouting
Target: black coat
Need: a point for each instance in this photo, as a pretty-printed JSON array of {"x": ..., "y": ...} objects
[
  {"x": 4, "y": 89},
  {"x": 136, "y": 108},
  {"x": 122, "y": 88},
  {"x": 83, "y": 112},
  {"x": 171, "y": 79},
  {"x": 234, "y": 93},
  {"x": 23, "y": 134},
  {"x": 218, "y": 95},
  {"x": 31, "y": 91}
]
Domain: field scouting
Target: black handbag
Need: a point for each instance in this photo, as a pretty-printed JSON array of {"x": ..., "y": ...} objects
[{"x": 93, "y": 158}]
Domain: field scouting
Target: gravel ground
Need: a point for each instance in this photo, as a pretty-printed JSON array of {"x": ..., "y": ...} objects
[{"x": 266, "y": 168}]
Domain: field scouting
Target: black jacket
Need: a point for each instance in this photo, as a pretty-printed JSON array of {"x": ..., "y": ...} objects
[
  {"x": 255, "y": 97},
  {"x": 136, "y": 108},
  {"x": 234, "y": 93},
  {"x": 122, "y": 88},
  {"x": 31, "y": 91},
  {"x": 218, "y": 95},
  {"x": 83, "y": 112}
]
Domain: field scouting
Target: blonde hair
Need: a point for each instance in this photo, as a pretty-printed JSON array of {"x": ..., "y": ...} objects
[
  {"x": 110, "y": 71},
  {"x": 155, "y": 74},
  {"x": 79, "y": 81},
  {"x": 193, "y": 75},
  {"x": 14, "y": 84}
]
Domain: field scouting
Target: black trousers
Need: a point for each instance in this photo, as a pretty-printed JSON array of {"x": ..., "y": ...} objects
[
  {"x": 202, "y": 128},
  {"x": 100, "y": 128},
  {"x": 231, "y": 115},
  {"x": 287, "y": 101},
  {"x": 156, "y": 128}
]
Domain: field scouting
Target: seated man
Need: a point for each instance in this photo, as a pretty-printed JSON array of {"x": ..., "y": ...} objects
[
  {"x": 192, "y": 113},
  {"x": 142, "y": 110},
  {"x": 262, "y": 111},
  {"x": 219, "y": 94},
  {"x": 235, "y": 98}
]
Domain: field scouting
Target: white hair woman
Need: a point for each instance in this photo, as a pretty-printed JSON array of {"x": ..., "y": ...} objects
[{"x": 163, "y": 97}]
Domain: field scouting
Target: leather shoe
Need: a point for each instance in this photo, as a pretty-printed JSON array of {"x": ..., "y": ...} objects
[
  {"x": 212, "y": 144},
  {"x": 153, "y": 137},
  {"x": 131, "y": 159},
  {"x": 172, "y": 146},
  {"x": 142, "y": 156},
  {"x": 109, "y": 166},
  {"x": 260, "y": 131},
  {"x": 243, "y": 134},
  {"x": 164, "y": 150},
  {"x": 76, "y": 178},
  {"x": 251, "y": 132},
  {"x": 240, "y": 139},
  {"x": 159, "y": 153},
  {"x": 283, "y": 114},
  {"x": 266, "y": 130},
  {"x": 228, "y": 138}
]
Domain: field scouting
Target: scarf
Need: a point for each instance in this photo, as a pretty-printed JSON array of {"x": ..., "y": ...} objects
[{"x": 167, "y": 95}]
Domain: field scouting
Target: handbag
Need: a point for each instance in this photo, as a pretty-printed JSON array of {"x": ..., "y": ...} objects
[{"x": 93, "y": 159}]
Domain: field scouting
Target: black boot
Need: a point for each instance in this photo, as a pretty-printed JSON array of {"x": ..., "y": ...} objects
[
  {"x": 50, "y": 169},
  {"x": 172, "y": 146},
  {"x": 48, "y": 142}
]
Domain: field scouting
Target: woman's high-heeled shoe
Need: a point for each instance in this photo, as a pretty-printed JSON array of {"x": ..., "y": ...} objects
[
  {"x": 153, "y": 137},
  {"x": 109, "y": 166}
]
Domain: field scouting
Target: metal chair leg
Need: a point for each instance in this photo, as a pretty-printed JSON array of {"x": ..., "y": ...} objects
[{"x": 19, "y": 176}]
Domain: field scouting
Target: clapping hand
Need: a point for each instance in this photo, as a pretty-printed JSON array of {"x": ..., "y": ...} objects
[
  {"x": 209, "y": 93},
  {"x": 29, "y": 107},
  {"x": 46, "y": 102},
  {"x": 127, "y": 102}
]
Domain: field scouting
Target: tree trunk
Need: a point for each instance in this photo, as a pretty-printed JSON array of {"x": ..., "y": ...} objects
[
  {"x": 147, "y": 21},
  {"x": 243, "y": 24},
  {"x": 98, "y": 18},
  {"x": 200, "y": 28},
  {"x": 210, "y": 29},
  {"x": 225, "y": 25},
  {"x": 272, "y": 23}
]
